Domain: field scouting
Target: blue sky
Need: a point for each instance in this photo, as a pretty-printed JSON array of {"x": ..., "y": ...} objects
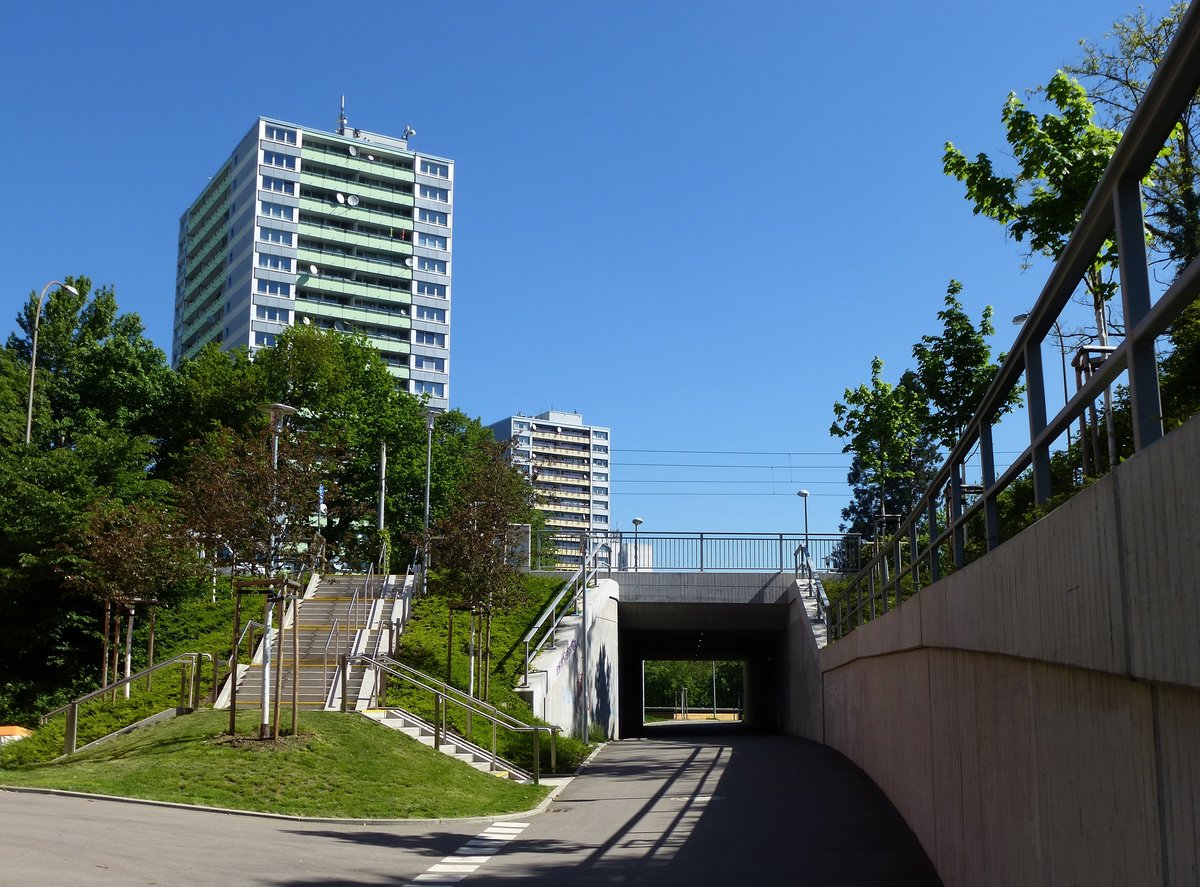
[{"x": 694, "y": 222}]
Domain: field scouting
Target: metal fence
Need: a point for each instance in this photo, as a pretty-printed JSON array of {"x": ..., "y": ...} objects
[
  {"x": 933, "y": 537},
  {"x": 714, "y": 552}
]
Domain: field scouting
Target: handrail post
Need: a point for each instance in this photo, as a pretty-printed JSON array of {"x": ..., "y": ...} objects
[
  {"x": 701, "y": 560},
  {"x": 71, "y": 729},
  {"x": 537, "y": 757},
  {"x": 343, "y": 663},
  {"x": 492, "y": 763},
  {"x": 553, "y": 748}
]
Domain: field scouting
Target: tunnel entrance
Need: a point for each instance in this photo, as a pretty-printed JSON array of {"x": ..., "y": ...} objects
[
  {"x": 750, "y": 637},
  {"x": 679, "y": 690}
]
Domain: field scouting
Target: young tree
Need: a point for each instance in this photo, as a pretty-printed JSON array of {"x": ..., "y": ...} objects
[
  {"x": 954, "y": 369},
  {"x": 470, "y": 542},
  {"x": 1117, "y": 75},
  {"x": 1060, "y": 159},
  {"x": 883, "y": 427}
]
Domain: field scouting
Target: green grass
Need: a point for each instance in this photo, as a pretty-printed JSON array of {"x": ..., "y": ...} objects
[
  {"x": 423, "y": 646},
  {"x": 339, "y": 766},
  {"x": 196, "y": 626}
]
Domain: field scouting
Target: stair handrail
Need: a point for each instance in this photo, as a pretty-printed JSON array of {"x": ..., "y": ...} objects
[
  {"x": 233, "y": 653},
  {"x": 444, "y": 692},
  {"x": 575, "y": 586},
  {"x": 325, "y": 656},
  {"x": 189, "y": 690}
]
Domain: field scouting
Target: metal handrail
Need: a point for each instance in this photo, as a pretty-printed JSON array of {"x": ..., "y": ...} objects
[
  {"x": 575, "y": 586},
  {"x": 1115, "y": 205},
  {"x": 325, "y": 655},
  {"x": 233, "y": 653},
  {"x": 188, "y": 690},
  {"x": 444, "y": 693}
]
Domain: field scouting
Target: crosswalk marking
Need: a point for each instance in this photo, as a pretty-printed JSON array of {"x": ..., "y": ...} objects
[{"x": 469, "y": 857}]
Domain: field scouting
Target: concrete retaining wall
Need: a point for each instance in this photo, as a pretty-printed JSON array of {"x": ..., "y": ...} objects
[
  {"x": 556, "y": 682},
  {"x": 1035, "y": 717}
]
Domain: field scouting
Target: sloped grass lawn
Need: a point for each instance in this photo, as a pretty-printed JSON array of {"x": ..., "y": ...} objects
[
  {"x": 339, "y": 766},
  {"x": 423, "y": 646},
  {"x": 195, "y": 626}
]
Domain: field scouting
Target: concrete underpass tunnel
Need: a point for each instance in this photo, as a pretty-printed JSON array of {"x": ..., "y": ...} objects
[{"x": 750, "y": 635}]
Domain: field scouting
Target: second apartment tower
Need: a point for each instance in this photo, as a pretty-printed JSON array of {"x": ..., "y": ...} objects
[{"x": 348, "y": 230}]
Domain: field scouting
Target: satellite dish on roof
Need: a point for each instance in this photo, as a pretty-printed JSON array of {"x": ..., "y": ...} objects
[
  {"x": 371, "y": 157},
  {"x": 408, "y": 261},
  {"x": 341, "y": 198},
  {"x": 353, "y": 151},
  {"x": 352, "y": 200},
  {"x": 313, "y": 270}
]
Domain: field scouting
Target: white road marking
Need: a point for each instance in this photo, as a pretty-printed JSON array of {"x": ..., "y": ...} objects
[{"x": 469, "y": 857}]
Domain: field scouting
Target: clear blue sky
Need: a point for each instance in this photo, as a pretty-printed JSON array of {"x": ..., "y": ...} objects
[{"x": 695, "y": 222}]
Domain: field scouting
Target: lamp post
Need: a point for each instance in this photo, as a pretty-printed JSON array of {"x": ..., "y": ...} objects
[
  {"x": 803, "y": 494},
  {"x": 37, "y": 320},
  {"x": 278, "y": 413},
  {"x": 430, "y": 416},
  {"x": 637, "y": 522}
]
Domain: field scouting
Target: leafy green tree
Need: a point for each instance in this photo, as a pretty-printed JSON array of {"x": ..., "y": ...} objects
[
  {"x": 1060, "y": 158},
  {"x": 955, "y": 368},
  {"x": 883, "y": 426},
  {"x": 1117, "y": 76},
  {"x": 95, "y": 368}
]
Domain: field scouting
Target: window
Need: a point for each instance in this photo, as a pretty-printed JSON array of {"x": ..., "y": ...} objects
[
  {"x": 273, "y": 235},
  {"x": 278, "y": 211},
  {"x": 280, "y": 134},
  {"x": 424, "y": 312},
  {"x": 599, "y": 503},
  {"x": 438, "y": 364},
  {"x": 424, "y": 337},
  {"x": 601, "y": 491},
  {"x": 274, "y": 158},
  {"x": 599, "y": 518},
  {"x": 275, "y": 315},
  {"x": 274, "y": 288},
  {"x": 600, "y": 435},
  {"x": 603, "y": 463},
  {"x": 433, "y": 217},
  {"x": 424, "y": 288},
  {"x": 433, "y": 241},
  {"x": 275, "y": 263},
  {"x": 437, "y": 266},
  {"x": 441, "y": 195},
  {"x": 280, "y": 186},
  {"x": 441, "y": 170},
  {"x": 600, "y": 475},
  {"x": 599, "y": 448},
  {"x": 436, "y": 389},
  {"x": 264, "y": 339}
]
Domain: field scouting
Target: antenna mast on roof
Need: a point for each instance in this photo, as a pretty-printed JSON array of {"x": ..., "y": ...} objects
[{"x": 341, "y": 130}]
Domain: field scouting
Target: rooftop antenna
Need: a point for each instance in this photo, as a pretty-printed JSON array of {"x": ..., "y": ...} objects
[
  {"x": 409, "y": 132},
  {"x": 341, "y": 130}
]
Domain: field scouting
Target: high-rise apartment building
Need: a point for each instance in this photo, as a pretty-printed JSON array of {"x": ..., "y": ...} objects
[
  {"x": 568, "y": 463},
  {"x": 349, "y": 230}
]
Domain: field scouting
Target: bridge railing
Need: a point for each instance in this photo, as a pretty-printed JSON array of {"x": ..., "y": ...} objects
[
  {"x": 933, "y": 537},
  {"x": 717, "y": 552}
]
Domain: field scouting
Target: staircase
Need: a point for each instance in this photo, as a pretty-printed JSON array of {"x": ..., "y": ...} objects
[
  {"x": 452, "y": 745},
  {"x": 336, "y": 617}
]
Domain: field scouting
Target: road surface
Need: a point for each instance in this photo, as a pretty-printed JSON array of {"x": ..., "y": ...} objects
[{"x": 694, "y": 808}]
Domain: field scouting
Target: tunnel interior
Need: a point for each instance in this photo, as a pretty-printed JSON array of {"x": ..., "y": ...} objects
[{"x": 749, "y": 633}]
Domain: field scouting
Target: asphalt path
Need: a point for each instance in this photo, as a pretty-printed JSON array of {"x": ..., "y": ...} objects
[{"x": 694, "y": 808}]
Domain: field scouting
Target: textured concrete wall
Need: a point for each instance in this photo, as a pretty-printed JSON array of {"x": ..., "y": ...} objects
[
  {"x": 556, "y": 675},
  {"x": 1035, "y": 717},
  {"x": 704, "y": 588},
  {"x": 802, "y": 714}
]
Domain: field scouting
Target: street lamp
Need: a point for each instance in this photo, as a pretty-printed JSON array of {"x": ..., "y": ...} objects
[
  {"x": 803, "y": 494},
  {"x": 278, "y": 413},
  {"x": 430, "y": 416},
  {"x": 37, "y": 319},
  {"x": 637, "y": 522}
]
